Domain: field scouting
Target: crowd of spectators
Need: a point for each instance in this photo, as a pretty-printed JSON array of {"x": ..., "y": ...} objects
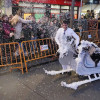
[
  {"x": 15, "y": 28},
  {"x": 90, "y": 14}
]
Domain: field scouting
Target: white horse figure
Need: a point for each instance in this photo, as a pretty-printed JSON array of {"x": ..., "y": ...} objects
[
  {"x": 65, "y": 58},
  {"x": 85, "y": 64}
]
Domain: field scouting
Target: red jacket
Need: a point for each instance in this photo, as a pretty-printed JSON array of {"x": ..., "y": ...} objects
[{"x": 7, "y": 30}]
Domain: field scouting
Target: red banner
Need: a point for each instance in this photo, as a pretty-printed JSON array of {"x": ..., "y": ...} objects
[
  {"x": 59, "y": 2},
  {"x": 15, "y": 1}
]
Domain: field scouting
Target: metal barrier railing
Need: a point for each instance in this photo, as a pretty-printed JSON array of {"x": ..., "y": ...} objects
[
  {"x": 97, "y": 42},
  {"x": 93, "y": 24},
  {"x": 8, "y": 56},
  {"x": 90, "y": 35},
  {"x": 37, "y": 49}
]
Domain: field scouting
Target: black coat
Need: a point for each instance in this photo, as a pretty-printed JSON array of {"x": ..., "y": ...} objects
[{"x": 27, "y": 33}]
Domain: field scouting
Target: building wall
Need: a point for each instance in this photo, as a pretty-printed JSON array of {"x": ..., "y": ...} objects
[
  {"x": 40, "y": 8},
  {"x": 59, "y": 2},
  {"x": 6, "y": 6}
]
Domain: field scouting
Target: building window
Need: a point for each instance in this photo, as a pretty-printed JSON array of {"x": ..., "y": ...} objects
[
  {"x": 55, "y": 9},
  {"x": 55, "y": 6},
  {"x": 64, "y": 7},
  {"x": 39, "y": 8},
  {"x": 75, "y": 8}
]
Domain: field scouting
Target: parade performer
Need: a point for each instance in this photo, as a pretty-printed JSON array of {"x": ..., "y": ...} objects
[{"x": 67, "y": 41}]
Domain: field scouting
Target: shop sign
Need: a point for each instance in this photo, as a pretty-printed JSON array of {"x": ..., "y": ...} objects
[{"x": 43, "y": 47}]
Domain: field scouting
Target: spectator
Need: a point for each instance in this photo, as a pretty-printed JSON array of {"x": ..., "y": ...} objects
[
  {"x": 44, "y": 19},
  {"x": 79, "y": 29},
  {"x": 8, "y": 30},
  {"x": 82, "y": 16},
  {"x": 99, "y": 26},
  {"x": 56, "y": 23},
  {"x": 17, "y": 23},
  {"x": 26, "y": 31},
  {"x": 92, "y": 14},
  {"x": 34, "y": 27},
  {"x": 0, "y": 15},
  {"x": 10, "y": 18},
  {"x": 52, "y": 29},
  {"x": 88, "y": 14},
  {"x": 42, "y": 32}
]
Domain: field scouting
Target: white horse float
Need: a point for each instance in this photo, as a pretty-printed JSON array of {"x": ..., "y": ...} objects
[{"x": 87, "y": 64}]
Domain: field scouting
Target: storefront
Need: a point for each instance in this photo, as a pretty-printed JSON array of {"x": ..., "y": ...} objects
[{"x": 51, "y": 7}]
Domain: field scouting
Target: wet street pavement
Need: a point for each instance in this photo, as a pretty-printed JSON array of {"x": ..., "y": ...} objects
[{"x": 36, "y": 85}]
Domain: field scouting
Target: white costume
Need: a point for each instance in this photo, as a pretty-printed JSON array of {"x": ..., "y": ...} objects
[{"x": 65, "y": 41}]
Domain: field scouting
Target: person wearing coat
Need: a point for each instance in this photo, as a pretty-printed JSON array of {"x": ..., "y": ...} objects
[
  {"x": 17, "y": 22},
  {"x": 8, "y": 30},
  {"x": 67, "y": 41}
]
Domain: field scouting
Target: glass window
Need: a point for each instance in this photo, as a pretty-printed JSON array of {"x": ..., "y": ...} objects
[
  {"x": 55, "y": 6},
  {"x": 75, "y": 15},
  {"x": 75, "y": 12},
  {"x": 64, "y": 11},
  {"x": 27, "y": 10},
  {"x": 25, "y": 4},
  {"x": 55, "y": 11},
  {"x": 38, "y": 10},
  {"x": 75, "y": 8},
  {"x": 26, "y": 7},
  {"x": 40, "y": 5},
  {"x": 38, "y": 16},
  {"x": 64, "y": 7}
]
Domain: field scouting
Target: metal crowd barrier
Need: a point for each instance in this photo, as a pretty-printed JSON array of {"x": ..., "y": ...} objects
[
  {"x": 93, "y": 24},
  {"x": 37, "y": 49},
  {"x": 90, "y": 35},
  {"x": 8, "y": 56}
]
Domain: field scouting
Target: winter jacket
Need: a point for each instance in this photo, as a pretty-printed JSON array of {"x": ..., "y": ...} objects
[
  {"x": 27, "y": 33},
  {"x": 34, "y": 26},
  {"x": 7, "y": 29}
]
